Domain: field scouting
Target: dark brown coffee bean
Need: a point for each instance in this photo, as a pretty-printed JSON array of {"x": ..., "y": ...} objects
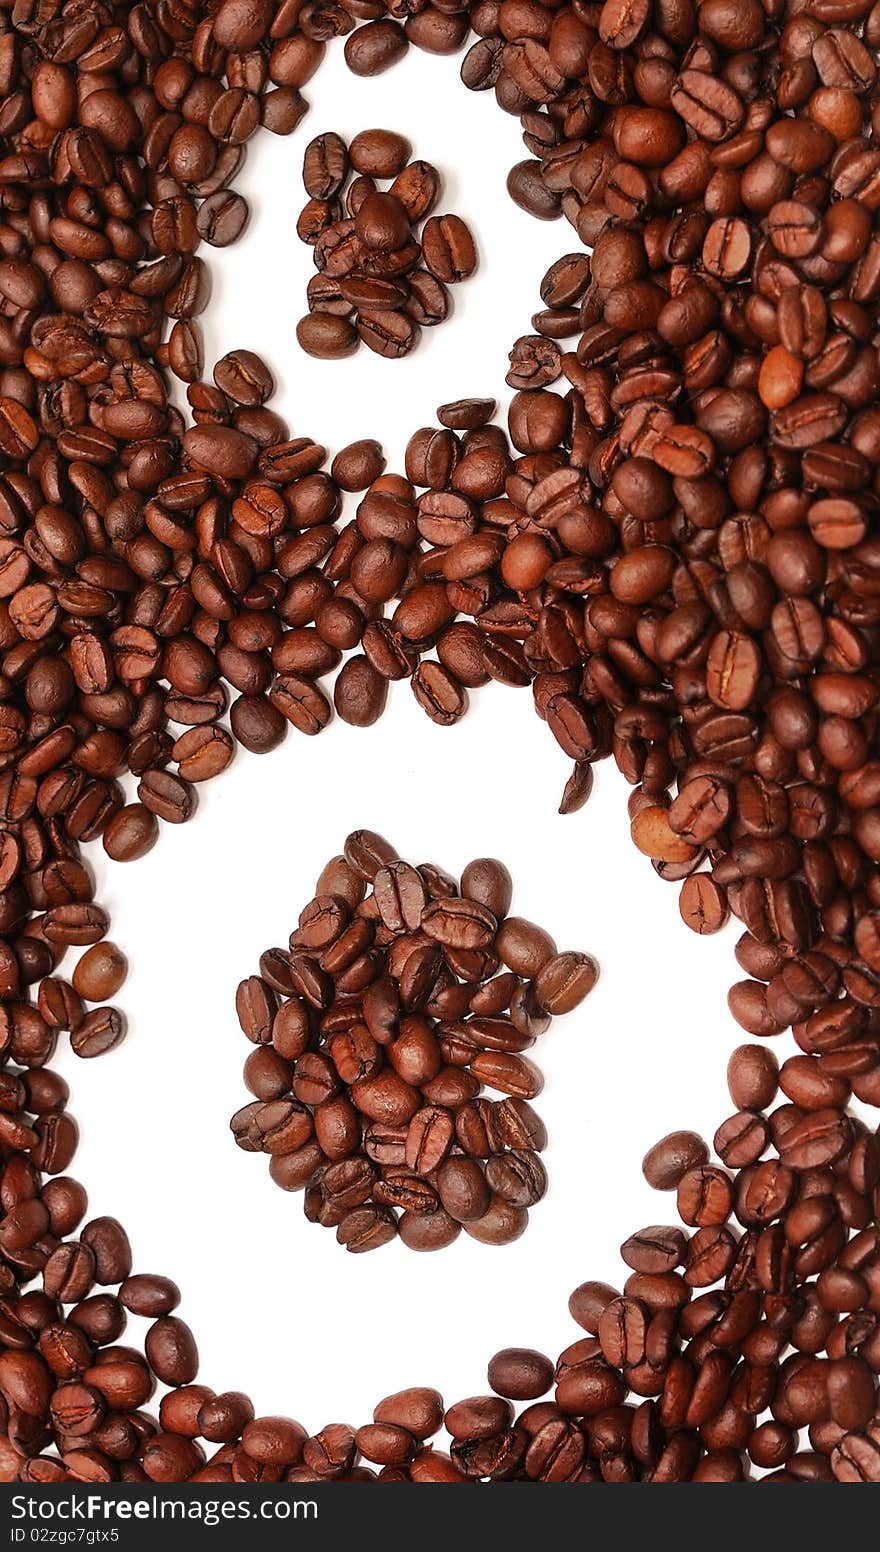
[
  {"x": 448, "y": 249},
  {"x": 563, "y": 982},
  {"x": 98, "y": 1031},
  {"x": 459, "y": 924},
  {"x": 131, "y": 833},
  {"x": 325, "y": 336},
  {"x": 429, "y": 1139},
  {"x": 374, "y": 47},
  {"x": 379, "y": 153},
  {"x": 222, "y": 218},
  {"x": 366, "y": 1228},
  {"x": 417, "y": 186},
  {"x": 665, "y": 1165},
  {"x": 100, "y": 972},
  {"x": 325, "y": 165},
  {"x": 703, "y": 904},
  {"x": 389, "y": 334}
]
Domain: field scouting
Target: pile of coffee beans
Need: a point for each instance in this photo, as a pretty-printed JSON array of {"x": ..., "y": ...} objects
[
  {"x": 405, "y": 995},
  {"x": 673, "y": 544},
  {"x": 744, "y": 1336},
  {"x": 382, "y": 275}
]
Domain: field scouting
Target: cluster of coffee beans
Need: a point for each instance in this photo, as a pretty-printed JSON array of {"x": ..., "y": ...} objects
[
  {"x": 98, "y": 975},
  {"x": 746, "y": 1337},
  {"x": 676, "y": 552},
  {"x": 382, "y": 277},
  {"x": 404, "y": 995}
]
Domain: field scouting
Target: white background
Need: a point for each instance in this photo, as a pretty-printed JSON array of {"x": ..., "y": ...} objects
[{"x": 278, "y": 1307}]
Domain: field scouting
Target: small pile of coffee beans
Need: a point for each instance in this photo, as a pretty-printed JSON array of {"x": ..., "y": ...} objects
[
  {"x": 382, "y": 275},
  {"x": 405, "y": 995}
]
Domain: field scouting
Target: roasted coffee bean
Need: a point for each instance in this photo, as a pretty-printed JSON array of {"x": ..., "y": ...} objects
[
  {"x": 326, "y": 336},
  {"x": 389, "y": 334},
  {"x": 100, "y": 973},
  {"x": 356, "y": 466},
  {"x": 448, "y": 249},
  {"x": 463, "y": 1189},
  {"x": 373, "y": 48},
  {"x": 703, "y": 904},
  {"x": 379, "y": 153},
  {"x": 518, "y": 1178},
  {"x": 222, "y": 218},
  {"x": 520, "y": 1374},
  {"x": 666, "y": 1164},
  {"x": 500, "y": 1224},
  {"x": 563, "y": 982},
  {"x": 325, "y": 165},
  {"x": 98, "y": 1031},
  {"x": 132, "y": 832}
]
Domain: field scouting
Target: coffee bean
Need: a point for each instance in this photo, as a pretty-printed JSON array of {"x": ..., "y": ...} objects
[
  {"x": 98, "y": 1031},
  {"x": 515, "y": 1124},
  {"x": 131, "y": 833},
  {"x": 520, "y": 1373},
  {"x": 563, "y": 982},
  {"x": 428, "y": 1231},
  {"x": 528, "y": 190},
  {"x": 525, "y": 948},
  {"x": 167, "y": 796},
  {"x": 244, "y": 377},
  {"x": 507, "y": 1073},
  {"x": 389, "y": 334},
  {"x": 429, "y": 1139},
  {"x": 326, "y": 336},
  {"x": 448, "y": 249},
  {"x": 466, "y": 414},
  {"x": 703, "y": 904},
  {"x": 373, "y": 48},
  {"x": 222, "y": 218},
  {"x": 367, "y": 1228},
  {"x": 325, "y": 165},
  {"x": 665, "y": 1165},
  {"x": 356, "y": 466},
  {"x": 360, "y": 693},
  {"x": 500, "y": 1224},
  {"x": 752, "y": 1077},
  {"x": 487, "y": 882},
  {"x": 256, "y": 723},
  {"x": 381, "y": 222},
  {"x": 379, "y": 153},
  {"x": 171, "y": 1350},
  {"x": 518, "y": 1178},
  {"x": 100, "y": 972},
  {"x": 463, "y": 1189},
  {"x": 417, "y": 186}
]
